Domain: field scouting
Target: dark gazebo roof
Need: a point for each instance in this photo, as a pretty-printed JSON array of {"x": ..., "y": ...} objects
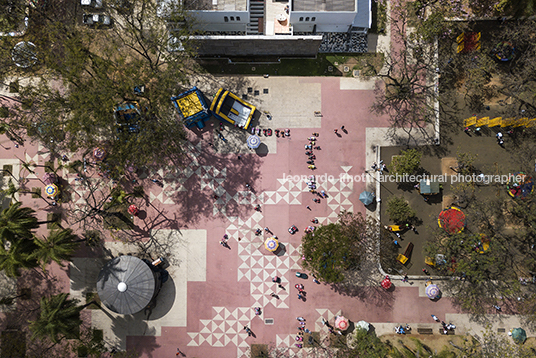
[{"x": 126, "y": 284}]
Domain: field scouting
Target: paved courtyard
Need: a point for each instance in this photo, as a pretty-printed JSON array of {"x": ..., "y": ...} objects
[{"x": 212, "y": 290}]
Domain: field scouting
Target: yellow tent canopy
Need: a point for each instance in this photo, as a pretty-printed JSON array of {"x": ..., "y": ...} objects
[{"x": 469, "y": 122}]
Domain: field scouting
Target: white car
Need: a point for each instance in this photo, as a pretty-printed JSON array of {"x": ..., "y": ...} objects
[{"x": 97, "y": 4}]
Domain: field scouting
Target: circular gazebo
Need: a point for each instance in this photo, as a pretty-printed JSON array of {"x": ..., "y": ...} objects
[{"x": 126, "y": 284}]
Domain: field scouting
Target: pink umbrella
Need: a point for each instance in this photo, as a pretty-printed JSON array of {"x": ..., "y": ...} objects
[{"x": 342, "y": 323}]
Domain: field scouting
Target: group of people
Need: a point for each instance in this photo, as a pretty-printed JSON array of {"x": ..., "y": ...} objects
[
  {"x": 301, "y": 330},
  {"x": 301, "y": 292},
  {"x": 402, "y": 330},
  {"x": 379, "y": 167},
  {"x": 446, "y": 327},
  {"x": 309, "y": 151}
]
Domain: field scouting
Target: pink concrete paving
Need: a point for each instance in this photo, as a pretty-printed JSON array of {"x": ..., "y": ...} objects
[
  {"x": 220, "y": 307},
  {"x": 240, "y": 278}
]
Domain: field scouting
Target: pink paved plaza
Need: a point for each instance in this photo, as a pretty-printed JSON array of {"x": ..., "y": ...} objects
[{"x": 239, "y": 278}]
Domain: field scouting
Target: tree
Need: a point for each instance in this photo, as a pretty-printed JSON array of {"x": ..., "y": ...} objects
[
  {"x": 100, "y": 70},
  {"x": 17, "y": 222},
  {"x": 59, "y": 246},
  {"x": 480, "y": 276},
  {"x": 408, "y": 93},
  {"x": 399, "y": 210},
  {"x": 17, "y": 255},
  {"x": 408, "y": 162},
  {"x": 332, "y": 249},
  {"x": 59, "y": 318},
  {"x": 365, "y": 344}
]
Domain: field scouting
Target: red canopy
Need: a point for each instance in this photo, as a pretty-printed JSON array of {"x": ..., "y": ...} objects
[
  {"x": 386, "y": 283},
  {"x": 133, "y": 210}
]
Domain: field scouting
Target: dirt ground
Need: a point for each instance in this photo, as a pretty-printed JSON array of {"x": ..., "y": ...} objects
[
  {"x": 434, "y": 342},
  {"x": 491, "y": 159}
]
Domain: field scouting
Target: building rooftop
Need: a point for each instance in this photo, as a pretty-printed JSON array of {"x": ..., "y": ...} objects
[
  {"x": 324, "y": 5},
  {"x": 216, "y": 5}
]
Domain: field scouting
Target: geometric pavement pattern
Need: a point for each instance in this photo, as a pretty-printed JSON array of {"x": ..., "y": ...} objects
[
  {"x": 254, "y": 265},
  {"x": 226, "y": 326}
]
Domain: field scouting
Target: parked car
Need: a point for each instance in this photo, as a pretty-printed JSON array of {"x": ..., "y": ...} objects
[
  {"x": 96, "y": 19},
  {"x": 97, "y": 4}
]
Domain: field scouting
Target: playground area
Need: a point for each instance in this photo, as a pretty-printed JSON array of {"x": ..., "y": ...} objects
[{"x": 491, "y": 159}]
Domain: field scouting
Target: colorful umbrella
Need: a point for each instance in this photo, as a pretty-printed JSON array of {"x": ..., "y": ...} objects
[
  {"x": 363, "y": 325},
  {"x": 51, "y": 190},
  {"x": 99, "y": 153},
  {"x": 520, "y": 185},
  {"x": 271, "y": 244},
  {"x": 49, "y": 178},
  {"x": 341, "y": 323},
  {"x": 519, "y": 335},
  {"x": 133, "y": 210},
  {"x": 452, "y": 220},
  {"x": 432, "y": 291},
  {"x": 253, "y": 142},
  {"x": 386, "y": 283},
  {"x": 366, "y": 197}
]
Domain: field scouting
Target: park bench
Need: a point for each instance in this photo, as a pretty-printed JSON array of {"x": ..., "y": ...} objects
[{"x": 425, "y": 331}]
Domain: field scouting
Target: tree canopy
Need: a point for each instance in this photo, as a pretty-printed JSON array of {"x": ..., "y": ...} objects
[
  {"x": 332, "y": 249},
  {"x": 59, "y": 318},
  {"x": 92, "y": 71},
  {"x": 408, "y": 162}
]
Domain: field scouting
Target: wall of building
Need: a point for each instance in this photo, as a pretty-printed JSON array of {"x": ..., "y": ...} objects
[
  {"x": 278, "y": 45},
  {"x": 325, "y": 21},
  {"x": 215, "y": 20}
]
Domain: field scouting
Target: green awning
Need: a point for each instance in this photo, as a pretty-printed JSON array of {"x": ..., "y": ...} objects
[{"x": 428, "y": 187}]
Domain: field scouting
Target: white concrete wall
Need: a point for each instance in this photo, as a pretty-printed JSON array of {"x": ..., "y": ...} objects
[
  {"x": 325, "y": 21},
  {"x": 208, "y": 20}
]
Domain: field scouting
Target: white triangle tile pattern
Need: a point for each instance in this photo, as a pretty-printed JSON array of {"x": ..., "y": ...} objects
[
  {"x": 258, "y": 268},
  {"x": 227, "y": 327}
]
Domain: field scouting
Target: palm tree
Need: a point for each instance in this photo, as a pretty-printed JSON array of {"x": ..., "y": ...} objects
[
  {"x": 17, "y": 256},
  {"x": 59, "y": 318},
  {"x": 17, "y": 223},
  {"x": 59, "y": 246}
]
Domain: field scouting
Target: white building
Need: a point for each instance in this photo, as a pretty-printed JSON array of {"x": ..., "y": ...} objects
[{"x": 270, "y": 27}]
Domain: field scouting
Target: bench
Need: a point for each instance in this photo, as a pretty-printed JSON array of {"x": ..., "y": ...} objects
[{"x": 425, "y": 331}]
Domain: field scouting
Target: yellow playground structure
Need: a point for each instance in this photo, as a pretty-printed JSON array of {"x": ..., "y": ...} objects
[{"x": 499, "y": 121}]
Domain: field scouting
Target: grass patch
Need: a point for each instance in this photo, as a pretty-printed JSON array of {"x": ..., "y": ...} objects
[
  {"x": 119, "y": 218},
  {"x": 7, "y": 170},
  {"x": 379, "y": 17},
  {"x": 337, "y": 341},
  {"x": 52, "y": 220},
  {"x": 14, "y": 87},
  {"x": 259, "y": 351},
  {"x": 4, "y": 112},
  {"x": 13, "y": 344},
  {"x": 322, "y": 65},
  {"x": 314, "y": 342},
  {"x": 388, "y": 253},
  {"x": 36, "y": 192},
  {"x": 25, "y": 293},
  {"x": 284, "y": 67},
  {"x": 93, "y": 296},
  {"x": 49, "y": 167}
]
